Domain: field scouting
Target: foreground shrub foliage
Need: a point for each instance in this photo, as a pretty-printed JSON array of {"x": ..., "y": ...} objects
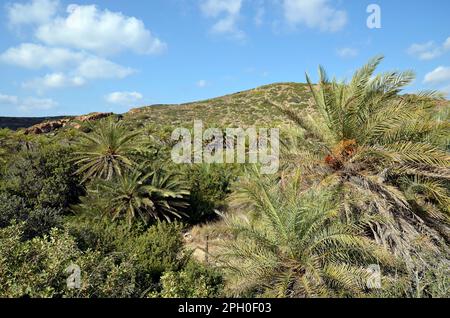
[
  {"x": 193, "y": 281},
  {"x": 38, "y": 268}
]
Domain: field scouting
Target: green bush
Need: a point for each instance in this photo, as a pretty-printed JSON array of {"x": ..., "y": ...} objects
[
  {"x": 36, "y": 221},
  {"x": 92, "y": 231},
  {"x": 110, "y": 276},
  {"x": 34, "y": 268},
  {"x": 209, "y": 187},
  {"x": 193, "y": 281},
  {"x": 41, "y": 221},
  {"x": 12, "y": 207},
  {"x": 157, "y": 250},
  {"x": 37, "y": 267},
  {"x": 43, "y": 178},
  {"x": 154, "y": 250}
]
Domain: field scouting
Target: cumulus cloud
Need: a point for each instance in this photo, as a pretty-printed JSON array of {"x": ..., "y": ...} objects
[
  {"x": 72, "y": 48},
  {"x": 53, "y": 81},
  {"x": 315, "y": 14},
  {"x": 104, "y": 32},
  {"x": 429, "y": 50},
  {"x": 34, "y": 12},
  {"x": 124, "y": 98},
  {"x": 98, "y": 68},
  {"x": 27, "y": 104},
  {"x": 70, "y": 68},
  {"x": 35, "y": 56},
  {"x": 439, "y": 75},
  {"x": 347, "y": 52},
  {"x": 424, "y": 51},
  {"x": 227, "y": 13}
]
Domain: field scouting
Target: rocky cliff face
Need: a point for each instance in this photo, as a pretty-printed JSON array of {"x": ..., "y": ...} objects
[{"x": 49, "y": 126}]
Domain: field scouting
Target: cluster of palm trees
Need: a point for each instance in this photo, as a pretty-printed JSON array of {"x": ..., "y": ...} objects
[
  {"x": 365, "y": 181},
  {"x": 121, "y": 182}
]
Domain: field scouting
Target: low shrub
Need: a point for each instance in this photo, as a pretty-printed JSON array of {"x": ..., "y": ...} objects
[{"x": 193, "y": 281}]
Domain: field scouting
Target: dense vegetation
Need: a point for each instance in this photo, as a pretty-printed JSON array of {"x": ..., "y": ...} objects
[{"x": 364, "y": 182}]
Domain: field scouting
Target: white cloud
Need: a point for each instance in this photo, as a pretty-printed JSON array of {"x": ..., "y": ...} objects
[
  {"x": 347, "y": 52},
  {"x": 202, "y": 83},
  {"x": 227, "y": 12},
  {"x": 104, "y": 32},
  {"x": 34, "y": 12},
  {"x": 439, "y": 75},
  {"x": 428, "y": 50},
  {"x": 34, "y": 56},
  {"x": 98, "y": 68},
  {"x": 124, "y": 98},
  {"x": 424, "y": 51},
  {"x": 78, "y": 66},
  {"x": 315, "y": 14},
  {"x": 53, "y": 81},
  {"x": 27, "y": 104},
  {"x": 71, "y": 46},
  {"x": 213, "y": 8}
]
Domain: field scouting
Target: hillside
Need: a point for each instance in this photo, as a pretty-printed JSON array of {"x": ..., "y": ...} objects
[
  {"x": 237, "y": 110},
  {"x": 241, "y": 109}
]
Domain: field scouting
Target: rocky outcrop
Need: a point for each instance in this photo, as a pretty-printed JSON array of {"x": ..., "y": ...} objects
[
  {"x": 93, "y": 117},
  {"x": 46, "y": 127},
  {"x": 134, "y": 111},
  {"x": 49, "y": 126}
]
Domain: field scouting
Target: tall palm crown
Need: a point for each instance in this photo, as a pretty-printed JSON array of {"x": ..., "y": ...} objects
[
  {"x": 154, "y": 195},
  {"x": 294, "y": 246},
  {"x": 386, "y": 152},
  {"x": 106, "y": 151}
]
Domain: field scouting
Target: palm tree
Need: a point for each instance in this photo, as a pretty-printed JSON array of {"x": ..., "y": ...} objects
[
  {"x": 155, "y": 195},
  {"x": 383, "y": 151},
  {"x": 294, "y": 246},
  {"x": 106, "y": 151}
]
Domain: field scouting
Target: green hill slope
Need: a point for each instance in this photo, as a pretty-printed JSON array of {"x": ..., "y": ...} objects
[
  {"x": 242, "y": 109},
  {"x": 236, "y": 110}
]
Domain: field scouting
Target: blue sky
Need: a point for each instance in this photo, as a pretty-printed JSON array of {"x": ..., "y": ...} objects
[{"x": 74, "y": 57}]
